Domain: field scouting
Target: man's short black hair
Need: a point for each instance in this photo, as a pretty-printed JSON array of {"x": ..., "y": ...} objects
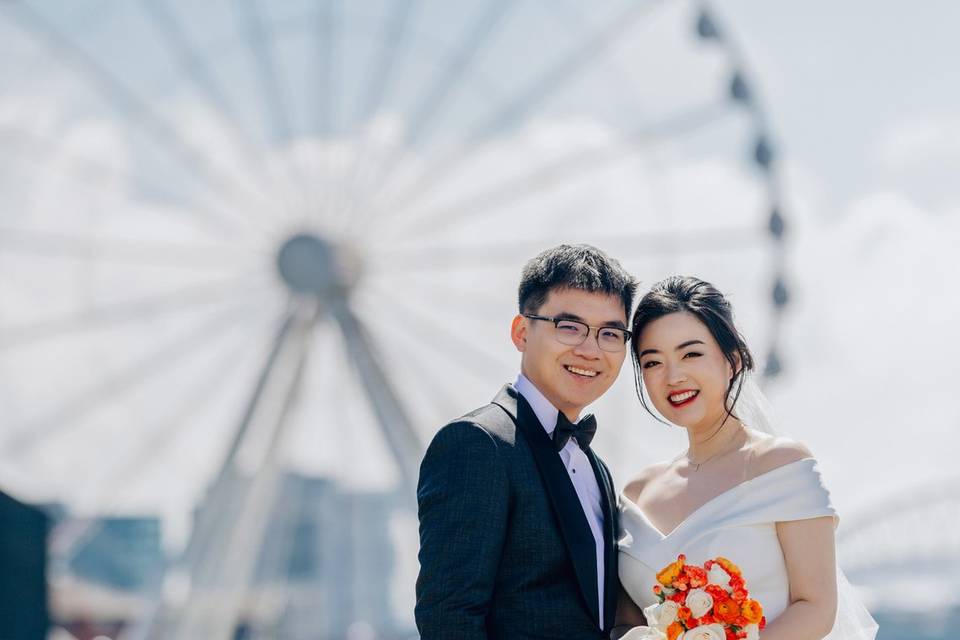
[{"x": 578, "y": 266}]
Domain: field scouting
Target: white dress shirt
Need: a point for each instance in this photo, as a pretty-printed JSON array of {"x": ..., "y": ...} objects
[{"x": 578, "y": 468}]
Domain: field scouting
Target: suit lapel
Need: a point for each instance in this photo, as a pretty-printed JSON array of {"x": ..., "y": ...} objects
[
  {"x": 610, "y": 573},
  {"x": 574, "y": 528}
]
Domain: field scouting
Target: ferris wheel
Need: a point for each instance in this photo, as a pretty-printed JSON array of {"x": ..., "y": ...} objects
[{"x": 241, "y": 236}]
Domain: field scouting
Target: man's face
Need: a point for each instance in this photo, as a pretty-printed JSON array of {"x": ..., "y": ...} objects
[{"x": 571, "y": 377}]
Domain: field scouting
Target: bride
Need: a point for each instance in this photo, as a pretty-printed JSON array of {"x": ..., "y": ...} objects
[{"x": 737, "y": 491}]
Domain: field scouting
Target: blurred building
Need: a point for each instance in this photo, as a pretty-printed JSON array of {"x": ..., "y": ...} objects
[
  {"x": 123, "y": 553},
  {"x": 324, "y": 570},
  {"x": 23, "y": 566},
  {"x": 329, "y": 557}
]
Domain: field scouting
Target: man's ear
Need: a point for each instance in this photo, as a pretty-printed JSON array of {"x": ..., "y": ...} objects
[{"x": 518, "y": 332}]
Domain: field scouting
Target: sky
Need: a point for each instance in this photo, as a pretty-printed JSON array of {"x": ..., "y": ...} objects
[{"x": 861, "y": 100}]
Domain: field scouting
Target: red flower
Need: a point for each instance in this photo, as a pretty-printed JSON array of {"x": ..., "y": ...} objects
[
  {"x": 763, "y": 623},
  {"x": 716, "y": 592},
  {"x": 696, "y": 576},
  {"x": 730, "y": 634}
]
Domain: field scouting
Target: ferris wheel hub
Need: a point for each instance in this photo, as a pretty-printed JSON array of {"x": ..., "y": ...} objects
[{"x": 310, "y": 264}]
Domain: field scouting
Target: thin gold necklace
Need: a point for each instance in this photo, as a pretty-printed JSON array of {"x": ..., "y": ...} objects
[{"x": 696, "y": 465}]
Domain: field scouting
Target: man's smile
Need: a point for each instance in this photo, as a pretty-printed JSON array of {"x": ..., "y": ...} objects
[{"x": 580, "y": 371}]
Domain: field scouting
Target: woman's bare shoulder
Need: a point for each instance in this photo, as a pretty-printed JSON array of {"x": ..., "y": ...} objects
[{"x": 770, "y": 452}]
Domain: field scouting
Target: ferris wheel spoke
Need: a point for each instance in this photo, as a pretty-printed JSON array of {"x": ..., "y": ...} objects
[
  {"x": 69, "y": 414},
  {"x": 699, "y": 241},
  {"x": 440, "y": 337},
  {"x": 266, "y": 70},
  {"x": 560, "y": 173},
  {"x": 208, "y": 386},
  {"x": 146, "y": 309},
  {"x": 271, "y": 89},
  {"x": 130, "y": 106},
  {"x": 453, "y": 292},
  {"x": 557, "y": 76},
  {"x": 195, "y": 68},
  {"x": 87, "y": 248},
  {"x": 409, "y": 348},
  {"x": 26, "y": 148},
  {"x": 392, "y": 52},
  {"x": 434, "y": 99},
  {"x": 327, "y": 52},
  {"x": 328, "y": 83}
]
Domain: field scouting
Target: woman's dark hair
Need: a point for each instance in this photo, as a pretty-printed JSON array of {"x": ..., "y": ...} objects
[{"x": 703, "y": 301}]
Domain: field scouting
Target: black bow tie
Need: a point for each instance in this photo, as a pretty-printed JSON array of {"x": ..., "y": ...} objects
[{"x": 583, "y": 431}]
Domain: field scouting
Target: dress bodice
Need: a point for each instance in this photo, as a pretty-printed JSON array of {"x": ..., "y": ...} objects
[{"x": 739, "y": 524}]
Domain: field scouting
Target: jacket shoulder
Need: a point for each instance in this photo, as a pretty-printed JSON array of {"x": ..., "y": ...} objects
[
  {"x": 489, "y": 420},
  {"x": 493, "y": 419}
]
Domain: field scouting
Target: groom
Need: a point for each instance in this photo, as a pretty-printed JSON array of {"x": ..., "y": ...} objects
[{"x": 517, "y": 513}]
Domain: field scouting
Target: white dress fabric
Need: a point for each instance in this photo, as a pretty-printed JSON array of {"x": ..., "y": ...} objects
[{"x": 740, "y": 525}]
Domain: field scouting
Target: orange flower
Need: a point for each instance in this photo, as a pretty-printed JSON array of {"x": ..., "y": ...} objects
[
  {"x": 752, "y": 611},
  {"x": 670, "y": 573},
  {"x": 695, "y": 575},
  {"x": 726, "y": 610},
  {"x": 683, "y": 613},
  {"x": 728, "y": 566},
  {"x": 674, "y": 631}
]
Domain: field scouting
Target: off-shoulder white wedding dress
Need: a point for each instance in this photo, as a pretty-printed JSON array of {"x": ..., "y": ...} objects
[{"x": 740, "y": 525}]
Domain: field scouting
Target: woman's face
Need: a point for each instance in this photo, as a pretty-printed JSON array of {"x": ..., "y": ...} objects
[{"x": 684, "y": 371}]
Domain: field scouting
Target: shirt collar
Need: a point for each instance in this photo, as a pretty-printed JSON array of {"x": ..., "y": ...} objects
[{"x": 546, "y": 413}]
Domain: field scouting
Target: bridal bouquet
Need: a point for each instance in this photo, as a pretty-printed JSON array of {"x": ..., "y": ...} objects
[{"x": 701, "y": 603}]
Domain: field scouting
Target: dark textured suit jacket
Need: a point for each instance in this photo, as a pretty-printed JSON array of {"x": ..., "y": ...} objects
[{"x": 505, "y": 548}]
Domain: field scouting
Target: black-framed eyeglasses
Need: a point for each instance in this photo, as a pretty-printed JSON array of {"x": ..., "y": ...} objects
[{"x": 574, "y": 333}]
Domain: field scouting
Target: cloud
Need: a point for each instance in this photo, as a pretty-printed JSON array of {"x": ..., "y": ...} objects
[{"x": 918, "y": 155}]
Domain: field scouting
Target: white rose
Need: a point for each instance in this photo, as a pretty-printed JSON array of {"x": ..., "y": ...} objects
[
  {"x": 705, "y": 632},
  {"x": 662, "y": 615},
  {"x": 753, "y": 632},
  {"x": 719, "y": 577},
  {"x": 699, "y": 602},
  {"x": 644, "y": 633}
]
